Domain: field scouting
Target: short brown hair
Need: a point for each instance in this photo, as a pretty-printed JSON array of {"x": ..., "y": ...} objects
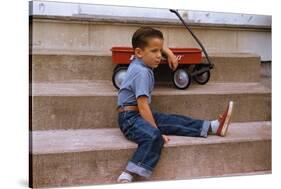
[{"x": 141, "y": 36}]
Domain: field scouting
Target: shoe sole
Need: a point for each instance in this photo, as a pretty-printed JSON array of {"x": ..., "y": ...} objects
[
  {"x": 123, "y": 181},
  {"x": 227, "y": 119}
]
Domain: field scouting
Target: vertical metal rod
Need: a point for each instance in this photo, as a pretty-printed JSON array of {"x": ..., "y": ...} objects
[{"x": 193, "y": 35}]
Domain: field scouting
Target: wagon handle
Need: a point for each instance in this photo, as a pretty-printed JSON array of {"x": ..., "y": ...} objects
[{"x": 194, "y": 36}]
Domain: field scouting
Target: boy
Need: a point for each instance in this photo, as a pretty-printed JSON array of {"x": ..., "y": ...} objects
[{"x": 136, "y": 120}]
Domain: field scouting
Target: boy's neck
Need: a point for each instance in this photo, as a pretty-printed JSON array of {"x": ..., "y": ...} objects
[{"x": 142, "y": 61}]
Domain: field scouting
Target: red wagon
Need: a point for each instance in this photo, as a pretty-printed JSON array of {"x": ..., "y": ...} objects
[{"x": 122, "y": 56}]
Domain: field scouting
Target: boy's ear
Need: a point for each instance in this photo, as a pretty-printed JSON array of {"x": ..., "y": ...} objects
[{"x": 138, "y": 52}]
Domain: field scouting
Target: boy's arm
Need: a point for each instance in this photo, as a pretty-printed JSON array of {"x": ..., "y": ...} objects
[
  {"x": 171, "y": 58},
  {"x": 146, "y": 114},
  {"x": 145, "y": 111}
]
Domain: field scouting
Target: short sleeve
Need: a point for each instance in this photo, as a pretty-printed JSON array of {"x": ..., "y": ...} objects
[{"x": 141, "y": 84}]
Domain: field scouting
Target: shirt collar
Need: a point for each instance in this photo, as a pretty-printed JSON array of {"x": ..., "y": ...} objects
[{"x": 141, "y": 62}]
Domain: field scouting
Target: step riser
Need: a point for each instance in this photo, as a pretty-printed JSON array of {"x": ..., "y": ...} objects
[
  {"x": 103, "y": 167},
  {"x": 60, "y": 112},
  {"x": 52, "y": 68},
  {"x": 102, "y": 36}
]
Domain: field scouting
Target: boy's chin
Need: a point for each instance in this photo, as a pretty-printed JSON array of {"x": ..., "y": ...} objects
[{"x": 156, "y": 66}]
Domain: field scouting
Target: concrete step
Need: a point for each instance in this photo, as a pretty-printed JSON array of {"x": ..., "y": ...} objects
[
  {"x": 83, "y": 105},
  {"x": 89, "y": 36},
  {"x": 97, "y": 156},
  {"x": 52, "y": 67}
]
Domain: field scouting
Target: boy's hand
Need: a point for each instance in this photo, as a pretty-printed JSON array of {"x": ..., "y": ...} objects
[
  {"x": 171, "y": 58},
  {"x": 173, "y": 62},
  {"x": 166, "y": 138}
]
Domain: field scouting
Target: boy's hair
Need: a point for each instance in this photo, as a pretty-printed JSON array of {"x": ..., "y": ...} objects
[{"x": 141, "y": 36}]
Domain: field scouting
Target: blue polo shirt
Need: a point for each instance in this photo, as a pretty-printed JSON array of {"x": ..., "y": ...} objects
[{"x": 138, "y": 81}]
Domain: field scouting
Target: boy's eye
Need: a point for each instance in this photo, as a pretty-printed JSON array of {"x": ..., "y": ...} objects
[{"x": 154, "y": 50}]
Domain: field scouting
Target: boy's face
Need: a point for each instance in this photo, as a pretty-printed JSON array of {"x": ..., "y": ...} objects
[{"x": 151, "y": 54}]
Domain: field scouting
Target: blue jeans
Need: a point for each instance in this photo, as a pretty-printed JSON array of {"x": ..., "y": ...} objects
[{"x": 149, "y": 138}]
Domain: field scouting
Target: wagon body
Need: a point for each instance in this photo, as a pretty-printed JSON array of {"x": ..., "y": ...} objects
[{"x": 124, "y": 55}]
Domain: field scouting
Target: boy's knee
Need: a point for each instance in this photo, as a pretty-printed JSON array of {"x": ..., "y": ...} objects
[{"x": 157, "y": 136}]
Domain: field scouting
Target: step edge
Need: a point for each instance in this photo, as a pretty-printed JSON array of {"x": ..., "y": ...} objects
[
  {"x": 87, "y": 52},
  {"x": 194, "y": 141},
  {"x": 258, "y": 89},
  {"x": 168, "y": 146}
]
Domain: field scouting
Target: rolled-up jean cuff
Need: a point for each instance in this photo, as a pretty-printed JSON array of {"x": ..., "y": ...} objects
[
  {"x": 132, "y": 167},
  {"x": 205, "y": 128}
]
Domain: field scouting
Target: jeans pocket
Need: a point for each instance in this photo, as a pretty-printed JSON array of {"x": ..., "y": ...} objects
[
  {"x": 129, "y": 134},
  {"x": 128, "y": 129},
  {"x": 126, "y": 122}
]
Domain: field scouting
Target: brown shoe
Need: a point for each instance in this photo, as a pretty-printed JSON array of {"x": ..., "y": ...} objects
[{"x": 225, "y": 120}]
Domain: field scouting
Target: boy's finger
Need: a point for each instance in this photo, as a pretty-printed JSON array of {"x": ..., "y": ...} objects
[
  {"x": 167, "y": 139},
  {"x": 175, "y": 65},
  {"x": 170, "y": 65}
]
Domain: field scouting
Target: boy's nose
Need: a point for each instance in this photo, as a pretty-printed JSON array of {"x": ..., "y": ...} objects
[{"x": 159, "y": 55}]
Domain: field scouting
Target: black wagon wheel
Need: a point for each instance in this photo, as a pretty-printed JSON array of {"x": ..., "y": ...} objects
[
  {"x": 201, "y": 78},
  {"x": 181, "y": 78},
  {"x": 118, "y": 76}
]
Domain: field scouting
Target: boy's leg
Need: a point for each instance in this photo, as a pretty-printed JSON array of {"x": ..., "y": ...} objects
[
  {"x": 175, "y": 124},
  {"x": 150, "y": 143}
]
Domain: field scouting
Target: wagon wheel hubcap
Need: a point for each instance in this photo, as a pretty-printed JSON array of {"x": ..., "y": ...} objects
[
  {"x": 181, "y": 78},
  {"x": 119, "y": 77}
]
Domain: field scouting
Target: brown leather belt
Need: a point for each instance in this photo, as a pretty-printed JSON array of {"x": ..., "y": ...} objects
[{"x": 128, "y": 108}]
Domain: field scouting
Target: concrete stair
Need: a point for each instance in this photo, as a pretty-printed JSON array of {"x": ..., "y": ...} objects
[
  {"x": 97, "y": 156},
  {"x": 93, "y": 105},
  {"x": 74, "y": 133},
  {"x": 93, "y": 35},
  {"x": 51, "y": 67}
]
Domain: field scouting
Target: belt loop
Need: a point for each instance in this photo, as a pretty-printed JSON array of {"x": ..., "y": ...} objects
[{"x": 119, "y": 107}]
